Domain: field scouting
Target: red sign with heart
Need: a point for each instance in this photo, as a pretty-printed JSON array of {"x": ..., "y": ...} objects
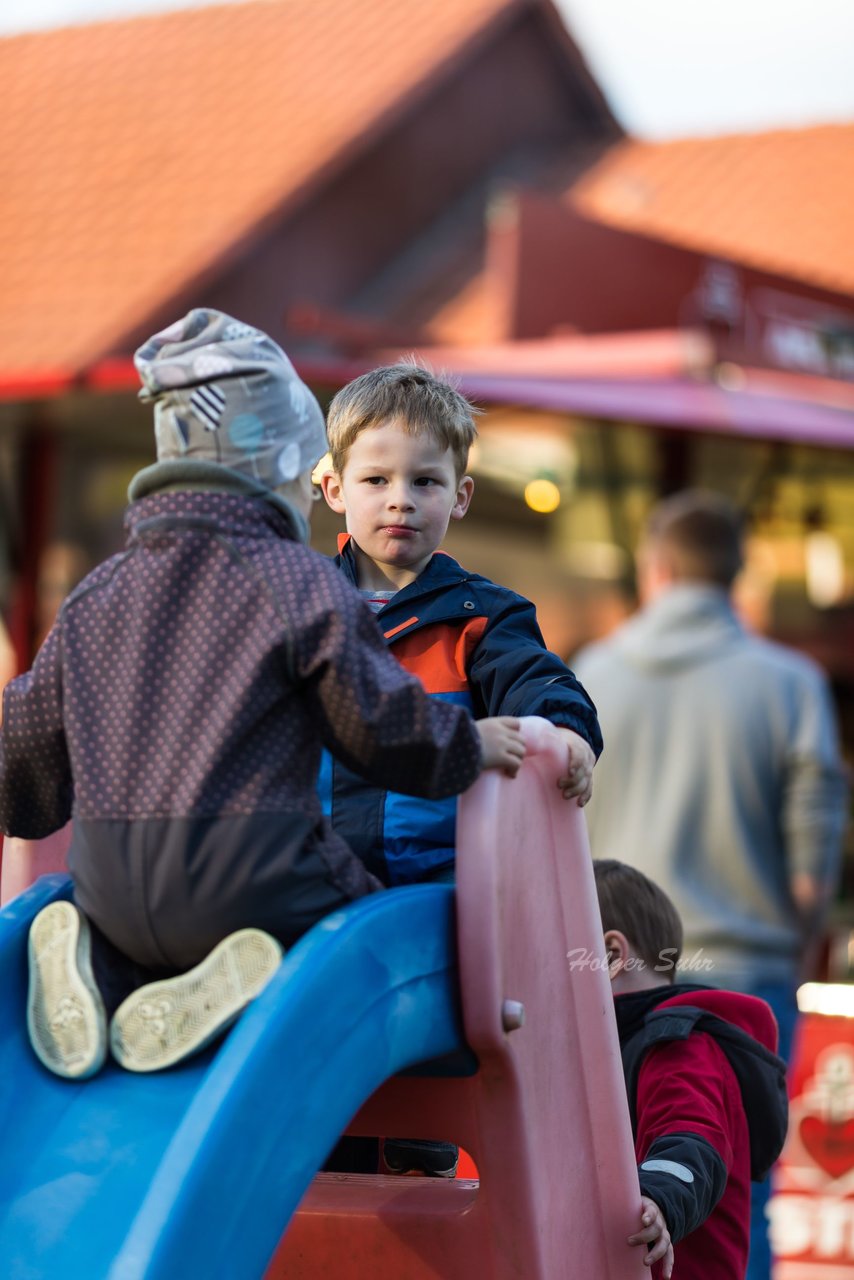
[
  {"x": 812, "y": 1206},
  {"x": 830, "y": 1145}
]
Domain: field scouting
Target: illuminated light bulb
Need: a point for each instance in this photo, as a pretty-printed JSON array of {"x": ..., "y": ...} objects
[{"x": 542, "y": 496}]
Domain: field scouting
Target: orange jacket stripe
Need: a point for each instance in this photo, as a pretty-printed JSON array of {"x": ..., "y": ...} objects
[{"x": 400, "y": 627}]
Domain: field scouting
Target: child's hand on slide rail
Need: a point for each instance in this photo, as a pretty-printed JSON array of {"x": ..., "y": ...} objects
[
  {"x": 655, "y": 1235},
  {"x": 502, "y": 744},
  {"x": 578, "y": 779}
]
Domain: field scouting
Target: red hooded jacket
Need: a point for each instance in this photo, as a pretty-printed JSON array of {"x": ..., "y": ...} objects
[{"x": 691, "y": 1141}]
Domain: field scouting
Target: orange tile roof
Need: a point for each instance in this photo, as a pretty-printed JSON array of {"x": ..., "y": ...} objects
[
  {"x": 135, "y": 154},
  {"x": 780, "y": 201}
]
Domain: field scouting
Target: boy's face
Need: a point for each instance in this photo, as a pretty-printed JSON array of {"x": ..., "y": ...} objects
[{"x": 399, "y": 493}]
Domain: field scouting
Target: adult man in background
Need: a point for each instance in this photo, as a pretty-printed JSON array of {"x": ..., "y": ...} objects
[{"x": 722, "y": 779}]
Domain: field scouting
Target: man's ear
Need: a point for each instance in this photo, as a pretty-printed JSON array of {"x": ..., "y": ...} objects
[
  {"x": 333, "y": 491},
  {"x": 465, "y": 489},
  {"x": 617, "y": 950}
]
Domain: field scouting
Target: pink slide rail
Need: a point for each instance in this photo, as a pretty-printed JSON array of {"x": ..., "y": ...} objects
[{"x": 545, "y": 1117}]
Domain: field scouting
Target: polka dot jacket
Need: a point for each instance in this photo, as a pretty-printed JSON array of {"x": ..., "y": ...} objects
[{"x": 195, "y": 677}]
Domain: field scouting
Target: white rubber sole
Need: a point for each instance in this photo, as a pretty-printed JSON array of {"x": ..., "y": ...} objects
[
  {"x": 66, "y": 1019},
  {"x": 164, "y": 1022}
]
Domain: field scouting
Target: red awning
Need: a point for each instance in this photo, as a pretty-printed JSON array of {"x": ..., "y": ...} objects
[
  {"x": 665, "y": 378},
  {"x": 679, "y": 403},
  {"x": 657, "y": 379}
]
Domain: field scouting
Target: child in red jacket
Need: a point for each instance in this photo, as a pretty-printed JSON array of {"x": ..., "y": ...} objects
[{"x": 707, "y": 1092}]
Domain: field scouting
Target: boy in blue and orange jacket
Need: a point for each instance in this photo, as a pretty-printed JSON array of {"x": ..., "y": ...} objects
[{"x": 399, "y": 441}]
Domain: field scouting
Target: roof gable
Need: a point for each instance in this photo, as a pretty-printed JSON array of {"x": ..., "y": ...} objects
[
  {"x": 137, "y": 153},
  {"x": 778, "y": 201}
]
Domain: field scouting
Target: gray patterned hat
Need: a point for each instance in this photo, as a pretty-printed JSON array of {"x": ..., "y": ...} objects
[{"x": 224, "y": 392}]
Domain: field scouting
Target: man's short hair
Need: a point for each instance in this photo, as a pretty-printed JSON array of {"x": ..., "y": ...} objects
[
  {"x": 702, "y": 535},
  {"x": 404, "y": 393},
  {"x": 632, "y": 903}
]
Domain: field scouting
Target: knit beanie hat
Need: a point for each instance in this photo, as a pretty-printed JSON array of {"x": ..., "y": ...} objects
[{"x": 224, "y": 392}]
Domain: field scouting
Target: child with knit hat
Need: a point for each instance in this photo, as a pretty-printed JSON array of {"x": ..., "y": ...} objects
[{"x": 176, "y": 714}]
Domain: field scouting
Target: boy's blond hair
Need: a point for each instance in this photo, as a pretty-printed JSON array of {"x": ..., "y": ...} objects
[{"x": 406, "y": 393}]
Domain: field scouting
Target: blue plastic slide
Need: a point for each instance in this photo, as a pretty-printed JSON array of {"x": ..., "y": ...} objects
[{"x": 195, "y": 1171}]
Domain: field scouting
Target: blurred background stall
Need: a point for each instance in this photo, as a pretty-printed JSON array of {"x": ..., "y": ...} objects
[{"x": 624, "y": 228}]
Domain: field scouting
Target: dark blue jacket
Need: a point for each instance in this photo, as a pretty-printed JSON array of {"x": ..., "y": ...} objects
[{"x": 470, "y": 642}]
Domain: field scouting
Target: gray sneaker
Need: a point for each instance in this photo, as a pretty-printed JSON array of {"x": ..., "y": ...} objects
[
  {"x": 164, "y": 1022},
  {"x": 66, "y": 1018}
]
